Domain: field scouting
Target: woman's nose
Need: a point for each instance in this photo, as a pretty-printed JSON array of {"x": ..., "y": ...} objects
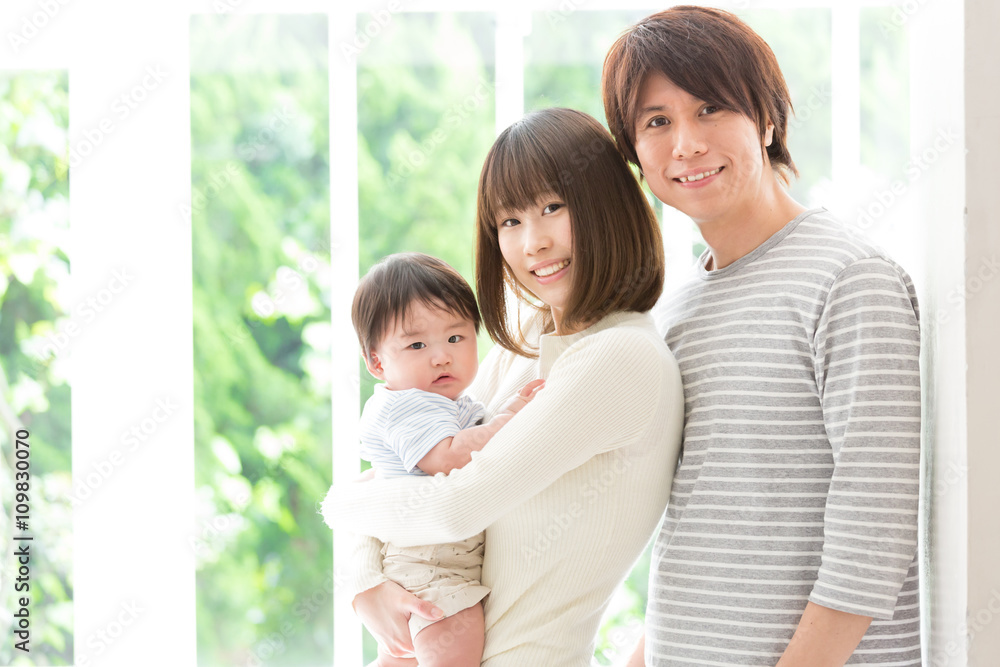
[{"x": 536, "y": 239}]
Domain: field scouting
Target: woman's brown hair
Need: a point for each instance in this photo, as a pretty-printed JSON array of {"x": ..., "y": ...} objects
[
  {"x": 712, "y": 55},
  {"x": 617, "y": 247}
]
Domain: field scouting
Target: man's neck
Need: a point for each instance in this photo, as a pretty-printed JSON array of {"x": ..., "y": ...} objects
[{"x": 734, "y": 237}]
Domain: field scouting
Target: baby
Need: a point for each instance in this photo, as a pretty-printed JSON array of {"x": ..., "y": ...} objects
[{"x": 417, "y": 320}]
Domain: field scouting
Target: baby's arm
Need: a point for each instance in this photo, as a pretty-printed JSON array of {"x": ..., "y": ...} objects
[{"x": 456, "y": 451}]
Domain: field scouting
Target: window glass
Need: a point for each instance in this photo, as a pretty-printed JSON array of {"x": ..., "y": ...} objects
[
  {"x": 39, "y": 329},
  {"x": 425, "y": 122},
  {"x": 260, "y": 239}
]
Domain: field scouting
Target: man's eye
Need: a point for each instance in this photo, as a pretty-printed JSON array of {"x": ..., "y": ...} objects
[
  {"x": 455, "y": 339},
  {"x": 710, "y": 109},
  {"x": 417, "y": 346}
]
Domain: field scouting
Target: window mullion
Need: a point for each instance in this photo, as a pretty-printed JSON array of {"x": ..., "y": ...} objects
[{"x": 344, "y": 262}]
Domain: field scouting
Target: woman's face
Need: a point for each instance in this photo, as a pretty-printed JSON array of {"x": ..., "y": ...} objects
[
  {"x": 702, "y": 160},
  {"x": 537, "y": 244}
]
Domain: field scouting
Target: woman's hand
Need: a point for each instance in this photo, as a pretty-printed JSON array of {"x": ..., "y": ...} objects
[{"x": 386, "y": 609}]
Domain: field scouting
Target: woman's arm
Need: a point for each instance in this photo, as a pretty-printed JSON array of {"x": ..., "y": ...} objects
[
  {"x": 456, "y": 451},
  {"x": 598, "y": 397}
]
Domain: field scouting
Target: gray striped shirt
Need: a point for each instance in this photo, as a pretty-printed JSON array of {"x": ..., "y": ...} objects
[{"x": 798, "y": 479}]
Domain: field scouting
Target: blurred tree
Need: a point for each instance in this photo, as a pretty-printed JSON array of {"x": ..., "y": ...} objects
[
  {"x": 885, "y": 93},
  {"x": 425, "y": 123},
  {"x": 34, "y": 391},
  {"x": 260, "y": 217}
]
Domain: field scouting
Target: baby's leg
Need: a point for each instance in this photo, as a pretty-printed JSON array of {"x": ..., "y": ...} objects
[
  {"x": 386, "y": 660},
  {"x": 456, "y": 641}
]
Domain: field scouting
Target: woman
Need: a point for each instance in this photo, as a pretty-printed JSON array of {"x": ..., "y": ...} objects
[{"x": 570, "y": 490}]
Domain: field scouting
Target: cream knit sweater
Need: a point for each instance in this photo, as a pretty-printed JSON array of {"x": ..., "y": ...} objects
[{"x": 569, "y": 491}]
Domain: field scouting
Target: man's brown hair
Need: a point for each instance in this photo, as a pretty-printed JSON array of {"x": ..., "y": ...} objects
[
  {"x": 387, "y": 291},
  {"x": 617, "y": 248},
  {"x": 712, "y": 55}
]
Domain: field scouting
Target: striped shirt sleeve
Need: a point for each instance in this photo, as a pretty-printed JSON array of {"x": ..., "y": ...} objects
[
  {"x": 417, "y": 422},
  {"x": 867, "y": 350}
]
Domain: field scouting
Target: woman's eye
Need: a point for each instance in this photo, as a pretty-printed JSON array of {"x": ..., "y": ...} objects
[
  {"x": 552, "y": 208},
  {"x": 455, "y": 339},
  {"x": 658, "y": 121},
  {"x": 509, "y": 222},
  {"x": 417, "y": 346},
  {"x": 710, "y": 109}
]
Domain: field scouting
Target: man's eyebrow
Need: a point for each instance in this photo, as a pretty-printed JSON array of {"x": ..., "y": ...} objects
[{"x": 656, "y": 107}]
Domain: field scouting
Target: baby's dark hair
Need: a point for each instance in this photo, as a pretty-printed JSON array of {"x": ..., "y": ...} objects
[{"x": 388, "y": 290}]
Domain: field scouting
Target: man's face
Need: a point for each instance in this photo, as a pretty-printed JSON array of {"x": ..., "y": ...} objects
[{"x": 700, "y": 159}]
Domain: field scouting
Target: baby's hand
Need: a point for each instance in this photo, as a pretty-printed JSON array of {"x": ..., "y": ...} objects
[{"x": 524, "y": 397}]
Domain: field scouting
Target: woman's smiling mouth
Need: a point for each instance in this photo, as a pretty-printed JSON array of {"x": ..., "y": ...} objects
[{"x": 551, "y": 269}]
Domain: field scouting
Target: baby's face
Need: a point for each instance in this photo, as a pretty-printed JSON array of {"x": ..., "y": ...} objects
[{"x": 433, "y": 349}]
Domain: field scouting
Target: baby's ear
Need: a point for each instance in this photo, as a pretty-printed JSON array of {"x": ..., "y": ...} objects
[{"x": 374, "y": 365}]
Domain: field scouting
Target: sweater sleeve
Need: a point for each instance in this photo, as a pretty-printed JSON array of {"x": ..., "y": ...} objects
[
  {"x": 364, "y": 567},
  {"x": 867, "y": 366},
  {"x": 598, "y": 397}
]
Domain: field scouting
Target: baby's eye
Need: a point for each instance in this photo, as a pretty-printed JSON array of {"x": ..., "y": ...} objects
[
  {"x": 456, "y": 339},
  {"x": 417, "y": 346}
]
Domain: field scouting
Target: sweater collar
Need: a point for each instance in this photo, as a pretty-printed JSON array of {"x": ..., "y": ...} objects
[{"x": 551, "y": 346}]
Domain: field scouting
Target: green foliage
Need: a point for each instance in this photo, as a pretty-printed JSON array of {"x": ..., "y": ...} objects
[
  {"x": 564, "y": 54},
  {"x": 34, "y": 392},
  {"x": 802, "y": 43},
  {"x": 260, "y": 228},
  {"x": 425, "y": 124},
  {"x": 885, "y": 93}
]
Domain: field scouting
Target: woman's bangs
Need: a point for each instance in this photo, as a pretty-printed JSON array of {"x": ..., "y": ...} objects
[{"x": 518, "y": 177}]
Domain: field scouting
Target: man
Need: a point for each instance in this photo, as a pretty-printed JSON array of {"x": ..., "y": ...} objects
[{"x": 791, "y": 533}]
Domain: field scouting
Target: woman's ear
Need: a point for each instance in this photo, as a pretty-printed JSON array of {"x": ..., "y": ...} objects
[
  {"x": 374, "y": 365},
  {"x": 769, "y": 134}
]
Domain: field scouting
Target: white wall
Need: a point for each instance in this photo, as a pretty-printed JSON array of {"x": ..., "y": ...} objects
[{"x": 982, "y": 267}]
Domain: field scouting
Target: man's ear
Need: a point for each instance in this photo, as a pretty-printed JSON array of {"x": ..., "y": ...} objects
[{"x": 374, "y": 365}]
